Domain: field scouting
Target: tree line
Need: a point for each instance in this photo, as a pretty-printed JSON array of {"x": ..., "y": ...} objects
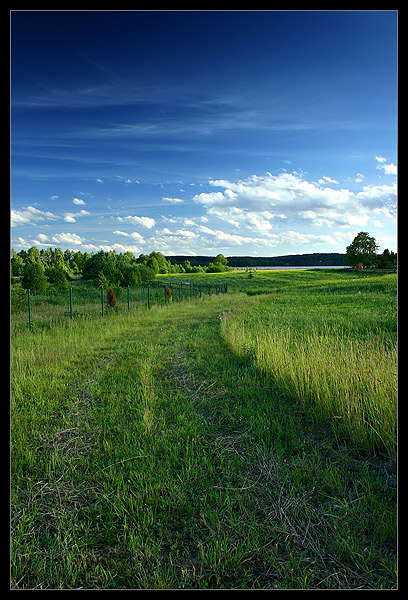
[
  {"x": 290, "y": 260},
  {"x": 35, "y": 268}
]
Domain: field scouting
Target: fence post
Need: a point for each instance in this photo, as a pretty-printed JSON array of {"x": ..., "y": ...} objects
[
  {"x": 70, "y": 302},
  {"x": 179, "y": 290},
  {"x": 200, "y": 291},
  {"x": 102, "y": 299},
  {"x": 29, "y": 310},
  {"x": 128, "y": 298},
  {"x": 148, "y": 295},
  {"x": 191, "y": 290},
  {"x": 165, "y": 295}
]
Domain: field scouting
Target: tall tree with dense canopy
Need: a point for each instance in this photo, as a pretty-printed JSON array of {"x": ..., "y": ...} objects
[{"x": 363, "y": 249}]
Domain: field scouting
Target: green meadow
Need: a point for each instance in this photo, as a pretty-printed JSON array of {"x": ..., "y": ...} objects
[{"x": 245, "y": 440}]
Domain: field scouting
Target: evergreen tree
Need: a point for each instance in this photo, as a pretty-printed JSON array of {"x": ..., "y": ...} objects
[{"x": 33, "y": 276}]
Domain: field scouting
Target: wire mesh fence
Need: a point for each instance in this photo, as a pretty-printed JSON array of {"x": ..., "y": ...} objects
[{"x": 35, "y": 311}]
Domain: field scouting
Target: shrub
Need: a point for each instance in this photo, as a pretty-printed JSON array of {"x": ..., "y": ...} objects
[{"x": 111, "y": 299}]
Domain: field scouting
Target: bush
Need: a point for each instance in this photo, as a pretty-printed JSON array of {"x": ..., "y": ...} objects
[
  {"x": 19, "y": 300},
  {"x": 57, "y": 277},
  {"x": 111, "y": 299}
]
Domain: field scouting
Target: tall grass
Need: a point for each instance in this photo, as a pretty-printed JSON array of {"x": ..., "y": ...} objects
[
  {"x": 146, "y": 454},
  {"x": 349, "y": 382}
]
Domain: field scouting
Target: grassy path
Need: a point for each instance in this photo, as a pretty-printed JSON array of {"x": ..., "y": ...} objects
[{"x": 146, "y": 455}]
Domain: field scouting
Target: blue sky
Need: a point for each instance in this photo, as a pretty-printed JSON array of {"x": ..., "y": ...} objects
[{"x": 199, "y": 132}]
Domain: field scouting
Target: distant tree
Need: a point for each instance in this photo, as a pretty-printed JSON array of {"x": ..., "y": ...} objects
[
  {"x": 146, "y": 273},
  {"x": 57, "y": 277},
  {"x": 363, "y": 249},
  {"x": 33, "y": 253},
  {"x": 57, "y": 259},
  {"x": 101, "y": 280},
  {"x": 153, "y": 264},
  {"x": 162, "y": 262},
  {"x": 386, "y": 260},
  {"x": 132, "y": 276},
  {"x": 187, "y": 266},
  {"x": 219, "y": 265},
  {"x": 17, "y": 264},
  {"x": 33, "y": 276},
  {"x": 220, "y": 259}
]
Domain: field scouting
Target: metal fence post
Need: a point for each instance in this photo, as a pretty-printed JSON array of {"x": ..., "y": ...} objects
[
  {"x": 148, "y": 295},
  {"x": 191, "y": 290},
  {"x": 29, "y": 310},
  {"x": 128, "y": 298},
  {"x": 70, "y": 302},
  {"x": 102, "y": 299}
]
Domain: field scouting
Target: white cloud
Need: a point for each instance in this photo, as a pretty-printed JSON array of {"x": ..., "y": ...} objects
[
  {"x": 78, "y": 202},
  {"x": 30, "y": 215},
  {"x": 43, "y": 237},
  {"x": 185, "y": 233},
  {"x": 67, "y": 238},
  {"x": 134, "y": 234},
  {"x": 326, "y": 179},
  {"x": 42, "y": 240},
  {"x": 259, "y": 199},
  {"x": 389, "y": 169},
  {"x": 121, "y": 248},
  {"x": 147, "y": 222},
  {"x": 71, "y": 217}
]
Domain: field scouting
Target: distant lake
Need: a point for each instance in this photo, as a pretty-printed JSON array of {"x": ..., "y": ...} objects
[{"x": 300, "y": 267}]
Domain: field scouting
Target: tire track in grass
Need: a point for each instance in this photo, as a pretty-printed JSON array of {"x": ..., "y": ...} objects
[{"x": 188, "y": 471}]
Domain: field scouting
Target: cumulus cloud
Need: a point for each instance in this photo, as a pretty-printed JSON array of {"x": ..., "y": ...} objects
[
  {"x": 67, "y": 238},
  {"x": 259, "y": 202},
  {"x": 30, "y": 215},
  {"x": 42, "y": 240},
  {"x": 147, "y": 222},
  {"x": 79, "y": 202}
]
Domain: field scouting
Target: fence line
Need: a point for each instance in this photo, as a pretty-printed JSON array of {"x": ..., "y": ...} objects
[{"x": 153, "y": 292}]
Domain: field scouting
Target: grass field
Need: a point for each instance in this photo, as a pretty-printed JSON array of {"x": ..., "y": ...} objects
[{"x": 244, "y": 440}]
